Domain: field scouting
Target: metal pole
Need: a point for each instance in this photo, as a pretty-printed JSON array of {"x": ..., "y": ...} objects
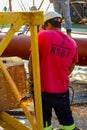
[
  {"x": 36, "y": 75},
  {"x": 10, "y": 6}
]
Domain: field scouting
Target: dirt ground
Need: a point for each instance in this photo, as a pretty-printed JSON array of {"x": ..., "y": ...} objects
[{"x": 80, "y": 117}]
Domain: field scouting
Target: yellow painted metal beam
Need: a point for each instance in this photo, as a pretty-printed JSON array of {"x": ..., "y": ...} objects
[
  {"x": 16, "y": 93},
  {"x": 34, "y": 18},
  {"x": 17, "y": 19},
  {"x": 10, "y": 123},
  {"x": 4, "y": 125},
  {"x": 29, "y": 117},
  {"x": 36, "y": 74}
]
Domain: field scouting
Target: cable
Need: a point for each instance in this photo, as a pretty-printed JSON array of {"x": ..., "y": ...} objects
[
  {"x": 23, "y": 5},
  {"x": 20, "y": 5},
  {"x": 40, "y": 5}
]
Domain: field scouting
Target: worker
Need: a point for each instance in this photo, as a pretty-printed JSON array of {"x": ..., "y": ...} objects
[
  {"x": 63, "y": 7},
  {"x": 58, "y": 54}
]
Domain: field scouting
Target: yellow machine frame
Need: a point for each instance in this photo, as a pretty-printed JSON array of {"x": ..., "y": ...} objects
[{"x": 17, "y": 19}]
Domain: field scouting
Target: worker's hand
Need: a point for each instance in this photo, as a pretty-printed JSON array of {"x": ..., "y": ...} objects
[{"x": 51, "y": 1}]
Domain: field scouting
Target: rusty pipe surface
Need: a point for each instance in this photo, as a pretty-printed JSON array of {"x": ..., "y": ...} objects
[
  {"x": 82, "y": 51},
  {"x": 20, "y": 46}
]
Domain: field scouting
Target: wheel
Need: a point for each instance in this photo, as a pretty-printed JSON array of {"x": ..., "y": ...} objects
[{"x": 74, "y": 16}]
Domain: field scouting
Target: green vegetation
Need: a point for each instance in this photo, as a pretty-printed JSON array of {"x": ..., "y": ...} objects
[{"x": 4, "y": 26}]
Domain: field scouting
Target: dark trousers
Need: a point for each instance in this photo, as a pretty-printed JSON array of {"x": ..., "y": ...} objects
[{"x": 61, "y": 105}]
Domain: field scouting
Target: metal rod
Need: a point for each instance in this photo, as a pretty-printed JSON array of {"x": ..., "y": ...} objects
[
  {"x": 40, "y": 5},
  {"x": 36, "y": 75},
  {"x": 10, "y": 6}
]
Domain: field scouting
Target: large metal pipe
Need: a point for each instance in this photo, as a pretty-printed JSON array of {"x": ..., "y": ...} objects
[
  {"x": 82, "y": 50},
  {"x": 20, "y": 46}
]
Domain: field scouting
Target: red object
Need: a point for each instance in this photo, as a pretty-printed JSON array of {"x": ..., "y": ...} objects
[
  {"x": 20, "y": 46},
  {"x": 82, "y": 50}
]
